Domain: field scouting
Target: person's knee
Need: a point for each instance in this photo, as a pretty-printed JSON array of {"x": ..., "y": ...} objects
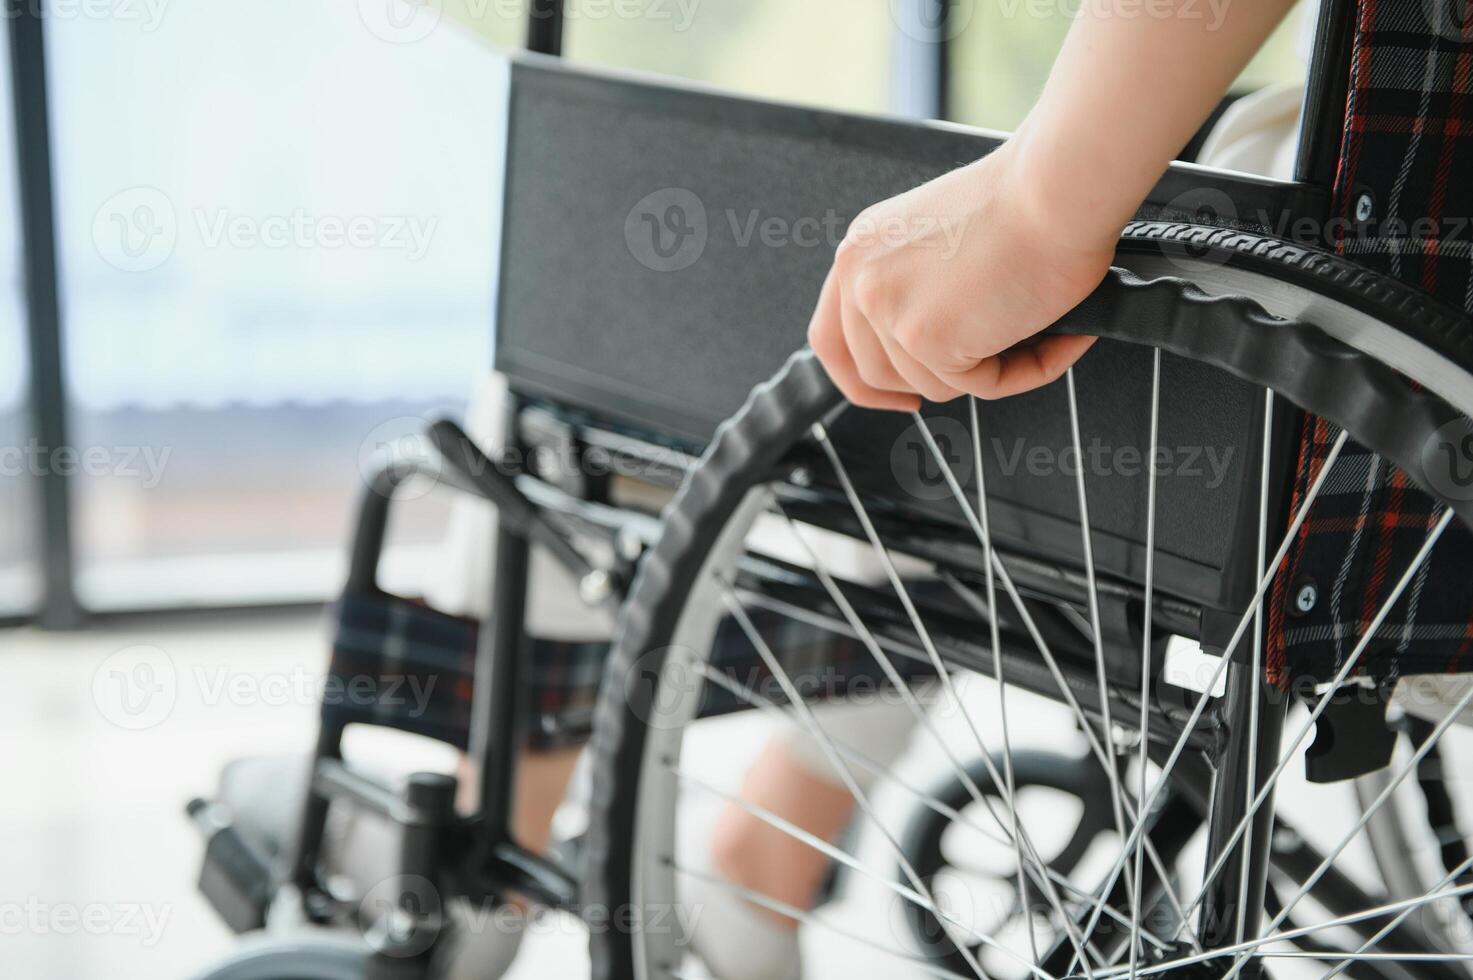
[{"x": 542, "y": 781}]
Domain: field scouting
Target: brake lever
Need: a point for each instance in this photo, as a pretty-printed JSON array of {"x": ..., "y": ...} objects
[{"x": 596, "y": 586}]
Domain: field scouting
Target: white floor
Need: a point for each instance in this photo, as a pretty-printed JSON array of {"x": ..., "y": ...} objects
[{"x": 105, "y": 734}]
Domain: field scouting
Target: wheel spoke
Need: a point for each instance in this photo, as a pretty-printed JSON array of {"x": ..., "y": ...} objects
[
  {"x": 818, "y": 922},
  {"x": 1227, "y": 657},
  {"x": 1288, "y": 753},
  {"x": 1096, "y": 747},
  {"x": 1372, "y": 957},
  {"x": 885, "y": 774},
  {"x": 849, "y": 861},
  {"x": 994, "y": 636},
  {"x": 1290, "y": 934},
  {"x": 867, "y": 637},
  {"x": 1390, "y": 927},
  {"x": 1157, "y": 865},
  {"x": 943, "y": 673},
  {"x": 1112, "y": 772},
  {"x": 816, "y": 731},
  {"x": 1146, "y": 624},
  {"x": 1366, "y": 815}
]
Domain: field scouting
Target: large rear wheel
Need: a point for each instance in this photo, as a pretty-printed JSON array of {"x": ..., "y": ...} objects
[{"x": 1053, "y": 602}]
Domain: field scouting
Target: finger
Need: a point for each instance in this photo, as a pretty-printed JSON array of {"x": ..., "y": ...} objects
[
  {"x": 921, "y": 378},
  {"x": 1023, "y": 368},
  {"x": 826, "y": 337},
  {"x": 870, "y": 357},
  {"x": 883, "y": 362}
]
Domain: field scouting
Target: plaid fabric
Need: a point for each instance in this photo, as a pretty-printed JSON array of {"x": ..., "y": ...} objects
[
  {"x": 401, "y": 664},
  {"x": 398, "y": 663},
  {"x": 1404, "y": 199},
  {"x": 821, "y": 665}
]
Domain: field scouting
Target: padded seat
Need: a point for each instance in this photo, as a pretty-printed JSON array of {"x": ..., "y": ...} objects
[{"x": 264, "y": 796}]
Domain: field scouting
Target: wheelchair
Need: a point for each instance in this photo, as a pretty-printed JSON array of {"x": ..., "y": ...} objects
[{"x": 989, "y": 578}]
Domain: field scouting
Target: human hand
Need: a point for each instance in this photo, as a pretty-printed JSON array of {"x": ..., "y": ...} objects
[{"x": 939, "y": 292}]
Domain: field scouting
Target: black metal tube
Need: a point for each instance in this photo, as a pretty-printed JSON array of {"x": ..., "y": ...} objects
[
  {"x": 499, "y": 715},
  {"x": 499, "y": 721},
  {"x": 1177, "y": 821},
  {"x": 428, "y": 811},
  {"x": 60, "y": 609},
  {"x": 545, "y": 27},
  {"x": 1322, "y": 124},
  {"x": 942, "y": 65},
  {"x": 1232, "y": 793},
  {"x": 312, "y": 827},
  {"x": 372, "y": 526},
  {"x": 543, "y": 880}
]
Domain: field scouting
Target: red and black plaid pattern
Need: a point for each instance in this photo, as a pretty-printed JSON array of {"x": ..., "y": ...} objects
[
  {"x": 1404, "y": 206},
  {"x": 400, "y": 664}
]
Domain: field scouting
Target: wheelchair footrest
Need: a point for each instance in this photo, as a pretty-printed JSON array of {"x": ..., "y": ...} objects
[{"x": 235, "y": 876}]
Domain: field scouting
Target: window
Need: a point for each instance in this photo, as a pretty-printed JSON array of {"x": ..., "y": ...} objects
[
  {"x": 20, "y": 576},
  {"x": 825, "y": 52},
  {"x": 1002, "y": 52},
  {"x": 276, "y": 229}
]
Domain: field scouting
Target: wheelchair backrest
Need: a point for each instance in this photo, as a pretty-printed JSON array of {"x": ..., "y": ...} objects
[{"x": 662, "y": 250}]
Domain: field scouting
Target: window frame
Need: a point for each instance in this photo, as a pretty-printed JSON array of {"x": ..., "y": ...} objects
[{"x": 920, "y": 79}]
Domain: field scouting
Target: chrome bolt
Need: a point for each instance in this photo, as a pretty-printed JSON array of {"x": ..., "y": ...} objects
[
  {"x": 1306, "y": 599},
  {"x": 595, "y": 587},
  {"x": 1363, "y": 208},
  {"x": 630, "y": 545},
  {"x": 800, "y": 477}
]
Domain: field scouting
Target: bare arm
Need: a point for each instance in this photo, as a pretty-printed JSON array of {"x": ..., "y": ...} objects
[
  {"x": 1128, "y": 92},
  {"x": 1003, "y": 247}
]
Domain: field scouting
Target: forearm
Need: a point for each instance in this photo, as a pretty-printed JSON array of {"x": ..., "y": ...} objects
[
  {"x": 1133, "y": 83},
  {"x": 1041, "y": 216}
]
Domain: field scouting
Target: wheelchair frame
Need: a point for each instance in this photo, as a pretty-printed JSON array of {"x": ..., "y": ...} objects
[{"x": 477, "y": 856}]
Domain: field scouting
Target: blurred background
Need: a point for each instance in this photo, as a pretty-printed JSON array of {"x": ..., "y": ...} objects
[{"x": 242, "y": 247}]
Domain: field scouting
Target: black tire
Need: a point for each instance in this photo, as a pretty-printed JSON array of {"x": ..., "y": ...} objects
[{"x": 318, "y": 955}]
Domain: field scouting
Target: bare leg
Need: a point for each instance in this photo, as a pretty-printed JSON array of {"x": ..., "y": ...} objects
[
  {"x": 794, "y": 780},
  {"x": 542, "y": 781},
  {"x": 756, "y": 855}
]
